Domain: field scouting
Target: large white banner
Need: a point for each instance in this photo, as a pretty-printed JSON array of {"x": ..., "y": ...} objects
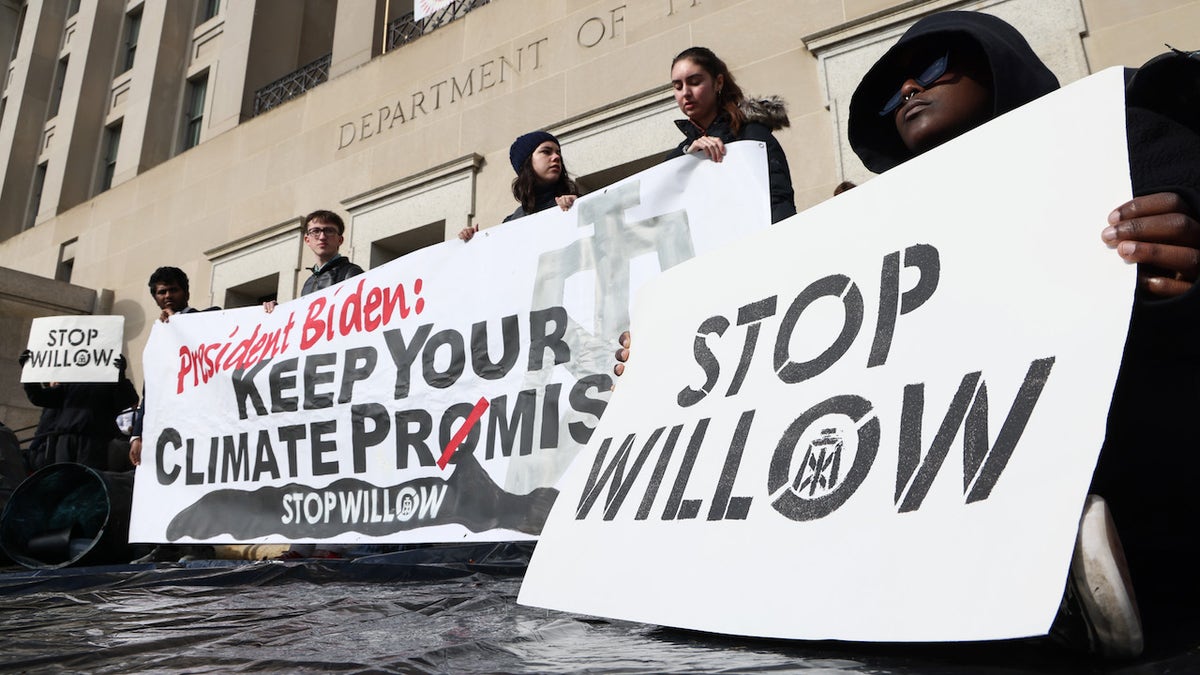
[
  {"x": 877, "y": 420},
  {"x": 74, "y": 349},
  {"x": 436, "y": 398}
]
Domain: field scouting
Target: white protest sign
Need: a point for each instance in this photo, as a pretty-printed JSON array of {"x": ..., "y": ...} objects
[
  {"x": 877, "y": 420},
  {"x": 424, "y": 8},
  {"x": 436, "y": 398},
  {"x": 74, "y": 349}
]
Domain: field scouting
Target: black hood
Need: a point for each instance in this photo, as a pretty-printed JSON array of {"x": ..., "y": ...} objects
[
  {"x": 1168, "y": 84},
  {"x": 1018, "y": 77}
]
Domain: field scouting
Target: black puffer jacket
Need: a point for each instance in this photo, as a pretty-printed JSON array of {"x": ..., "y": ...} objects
[
  {"x": 335, "y": 271},
  {"x": 763, "y": 115},
  {"x": 1149, "y": 465}
]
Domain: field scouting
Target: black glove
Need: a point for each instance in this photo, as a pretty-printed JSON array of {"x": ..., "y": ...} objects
[
  {"x": 120, "y": 363},
  {"x": 25, "y": 356}
]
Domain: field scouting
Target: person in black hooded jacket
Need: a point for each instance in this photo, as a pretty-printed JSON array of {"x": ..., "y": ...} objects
[
  {"x": 719, "y": 113},
  {"x": 84, "y": 420},
  {"x": 956, "y": 70}
]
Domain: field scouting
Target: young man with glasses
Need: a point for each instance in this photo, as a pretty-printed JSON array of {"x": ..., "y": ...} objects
[{"x": 323, "y": 232}]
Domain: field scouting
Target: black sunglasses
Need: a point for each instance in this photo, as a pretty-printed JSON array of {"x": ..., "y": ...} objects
[{"x": 926, "y": 78}]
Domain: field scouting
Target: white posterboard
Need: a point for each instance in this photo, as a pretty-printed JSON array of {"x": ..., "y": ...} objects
[
  {"x": 436, "y": 398},
  {"x": 74, "y": 349},
  {"x": 424, "y": 8},
  {"x": 785, "y": 454}
]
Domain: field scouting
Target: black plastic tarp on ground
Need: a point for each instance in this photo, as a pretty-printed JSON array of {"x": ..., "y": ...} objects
[{"x": 391, "y": 615}]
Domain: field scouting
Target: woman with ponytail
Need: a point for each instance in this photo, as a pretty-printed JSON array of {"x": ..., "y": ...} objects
[{"x": 719, "y": 113}]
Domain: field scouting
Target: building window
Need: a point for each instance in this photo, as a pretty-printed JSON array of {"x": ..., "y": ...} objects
[
  {"x": 194, "y": 113},
  {"x": 112, "y": 142},
  {"x": 133, "y": 26},
  {"x": 404, "y": 216},
  {"x": 72, "y": 8},
  {"x": 66, "y": 261},
  {"x": 389, "y": 248},
  {"x": 256, "y": 268},
  {"x": 209, "y": 9},
  {"x": 60, "y": 76},
  {"x": 20, "y": 26},
  {"x": 253, "y": 293},
  {"x": 35, "y": 195}
]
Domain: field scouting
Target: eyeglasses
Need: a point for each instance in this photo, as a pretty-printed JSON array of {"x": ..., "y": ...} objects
[
  {"x": 925, "y": 79},
  {"x": 318, "y": 231}
]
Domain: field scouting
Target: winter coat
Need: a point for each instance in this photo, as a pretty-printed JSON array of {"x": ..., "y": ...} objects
[
  {"x": 335, "y": 271},
  {"x": 83, "y": 421},
  {"x": 763, "y": 115},
  {"x": 1150, "y": 465}
]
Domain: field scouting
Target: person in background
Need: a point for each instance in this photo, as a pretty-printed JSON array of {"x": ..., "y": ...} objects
[
  {"x": 84, "y": 418},
  {"x": 324, "y": 232},
  {"x": 953, "y": 71},
  {"x": 171, "y": 290},
  {"x": 719, "y": 113},
  {"x": 542, "y": 180}
]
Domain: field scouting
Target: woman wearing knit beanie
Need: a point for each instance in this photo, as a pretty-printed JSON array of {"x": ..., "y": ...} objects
[{"x": 542, "y": 180}]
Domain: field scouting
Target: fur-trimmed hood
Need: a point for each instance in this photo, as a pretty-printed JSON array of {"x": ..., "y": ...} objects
[{"x": 769, "y": 111}]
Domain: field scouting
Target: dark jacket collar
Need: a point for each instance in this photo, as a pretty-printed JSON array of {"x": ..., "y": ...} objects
[{"x": 334, "y": 262}]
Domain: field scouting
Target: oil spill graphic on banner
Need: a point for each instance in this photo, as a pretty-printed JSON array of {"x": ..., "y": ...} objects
[{"x": 469, "y": 498}]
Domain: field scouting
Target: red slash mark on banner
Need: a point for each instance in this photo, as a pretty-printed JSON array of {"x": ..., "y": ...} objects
[{"x": 471, "y": 421}]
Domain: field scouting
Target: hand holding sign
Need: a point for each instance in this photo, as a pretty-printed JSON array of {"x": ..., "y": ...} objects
[
  {"x": 622, "y": 354},
  {"x": 1161, "y": 234}
]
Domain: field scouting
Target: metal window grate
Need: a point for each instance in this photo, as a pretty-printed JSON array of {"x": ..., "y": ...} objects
[
  {"x": 405, "y": 29},
  {"x": 292, "y": 85},
  {"x": 399, "y": 32}
]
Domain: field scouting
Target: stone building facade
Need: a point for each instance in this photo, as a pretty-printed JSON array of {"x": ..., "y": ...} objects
[{"x": 195, "y": 133}]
